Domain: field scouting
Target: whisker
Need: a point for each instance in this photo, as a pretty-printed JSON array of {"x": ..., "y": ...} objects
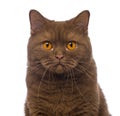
[
  {"x": 70, "y": 75},
  {"x": 82, "y": 69},
  {"x": 67, "y": 76},
  {"x": 74, "y": 81},
  {"x": 35, "y": 69},
  {"x": 81, "y": 95},
  {"x": 43, "y": 75}
]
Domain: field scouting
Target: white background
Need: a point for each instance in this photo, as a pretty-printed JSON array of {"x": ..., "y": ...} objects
[{"x": 104, "y": 31}]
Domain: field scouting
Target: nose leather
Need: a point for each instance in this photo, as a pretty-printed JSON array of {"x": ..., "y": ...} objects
[{"x": 59, "y": 56}]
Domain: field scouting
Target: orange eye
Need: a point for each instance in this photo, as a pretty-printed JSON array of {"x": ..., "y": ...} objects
[
  {"x": 47, "y": 46},
  {"x": 71, "y": 45}
]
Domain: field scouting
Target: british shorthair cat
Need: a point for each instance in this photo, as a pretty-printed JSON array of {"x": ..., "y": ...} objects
[{"x": 61, "y": 75}]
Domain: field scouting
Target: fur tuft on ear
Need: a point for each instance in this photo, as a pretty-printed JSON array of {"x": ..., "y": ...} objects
[{"x": 36, "y": 21}]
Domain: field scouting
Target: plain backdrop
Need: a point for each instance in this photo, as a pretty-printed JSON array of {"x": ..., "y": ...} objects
[{"x": 104, "y": 31}]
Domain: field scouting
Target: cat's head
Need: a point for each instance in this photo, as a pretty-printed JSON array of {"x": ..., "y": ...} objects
[{"x": 58, "y": 46}]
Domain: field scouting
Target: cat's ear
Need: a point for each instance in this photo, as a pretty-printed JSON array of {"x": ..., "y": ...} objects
[
  {"x": 82, "y": 20},
  {"x": 36, "y": 21}
]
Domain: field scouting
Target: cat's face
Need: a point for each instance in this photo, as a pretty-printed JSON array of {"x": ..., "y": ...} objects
[{"x": 58, "y": 46}]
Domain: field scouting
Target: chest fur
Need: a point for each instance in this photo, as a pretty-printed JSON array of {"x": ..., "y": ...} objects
[{"x": 64, "y": 98}]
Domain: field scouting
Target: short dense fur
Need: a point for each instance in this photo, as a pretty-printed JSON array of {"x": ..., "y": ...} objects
[{"x": 61, "y": 82}]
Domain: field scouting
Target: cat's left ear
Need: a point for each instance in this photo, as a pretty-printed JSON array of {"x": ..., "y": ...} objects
[{"x": 82, "y": 20}]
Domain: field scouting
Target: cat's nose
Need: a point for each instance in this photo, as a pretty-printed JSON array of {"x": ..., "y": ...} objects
[{"x": 59, "y": 56}]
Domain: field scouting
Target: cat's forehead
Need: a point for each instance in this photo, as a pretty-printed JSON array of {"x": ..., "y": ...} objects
[
  {"x": 61, "y": 28},
  {"x": 58, "y": 31}
]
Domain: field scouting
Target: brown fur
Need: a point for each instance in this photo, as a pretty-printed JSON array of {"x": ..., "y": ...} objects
[{"x": 69, "y": 88}]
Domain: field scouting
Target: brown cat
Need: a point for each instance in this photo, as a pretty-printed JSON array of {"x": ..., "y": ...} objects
[{"x": 61, "y": 75}]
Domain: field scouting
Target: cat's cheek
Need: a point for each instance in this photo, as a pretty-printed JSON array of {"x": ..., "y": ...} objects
[{"x": 45, "y": 66}]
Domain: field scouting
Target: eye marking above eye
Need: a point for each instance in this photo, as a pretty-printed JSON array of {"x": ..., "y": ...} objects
[
  {"x": 47, "y": 45},
  {"x": 72, "y": 45}
]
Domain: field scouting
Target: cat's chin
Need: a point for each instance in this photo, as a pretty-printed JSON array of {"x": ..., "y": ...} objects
[{"x": 59, "y": 69}]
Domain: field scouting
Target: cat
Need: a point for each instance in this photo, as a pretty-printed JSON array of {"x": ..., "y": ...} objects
[{"x": 61, "y": 75}]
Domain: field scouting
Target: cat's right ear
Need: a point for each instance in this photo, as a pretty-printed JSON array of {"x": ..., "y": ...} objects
[{"x": 36, "y": 21}]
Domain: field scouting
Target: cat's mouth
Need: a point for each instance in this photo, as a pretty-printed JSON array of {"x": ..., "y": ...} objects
[{"x": 60, "y": 67}]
